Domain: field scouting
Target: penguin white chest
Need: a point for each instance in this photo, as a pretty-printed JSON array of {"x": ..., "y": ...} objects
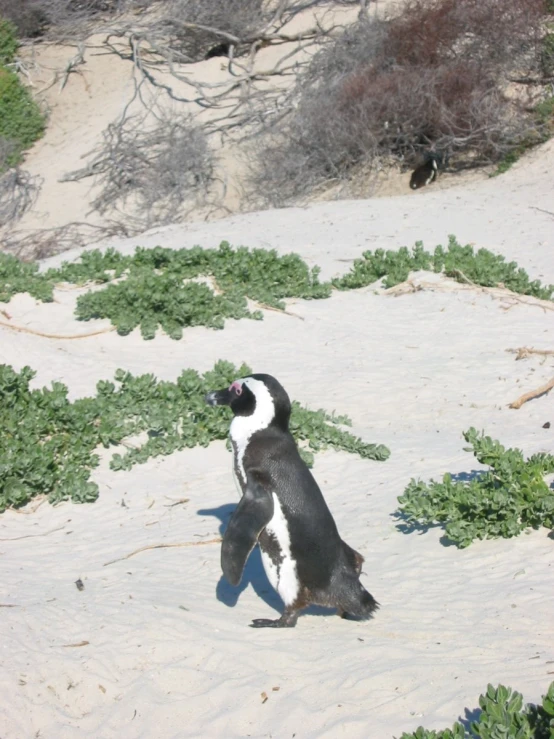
[{"x": 281, "y": 570}]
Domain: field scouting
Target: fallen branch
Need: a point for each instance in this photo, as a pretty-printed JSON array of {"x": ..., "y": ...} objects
[
  {"x": 32, "y": 331},
  {"x": 34, "y": 536},
  {"x": 497, "y": 293},
  {"x": 83, "y": 643},
  {"x": 542, "y": 210},
  {"x": 264, "y": 306},
  {"x": 164, "y": 546},
  {"x": 542, "y": 390},
  {"x": 523, "y": 352}
]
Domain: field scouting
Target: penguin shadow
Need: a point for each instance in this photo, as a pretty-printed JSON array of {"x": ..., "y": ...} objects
[{"x": 254, "y": 573}]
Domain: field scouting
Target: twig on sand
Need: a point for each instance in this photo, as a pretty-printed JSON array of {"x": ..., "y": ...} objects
[
  {"x": 32, "y": 331},
  {"x": 264, "y": 306},
  {"x": 525, "y": 351},
  {"x": 33, "y": 536},
  {"x": 542, "y": 390},
  {"x": 83, "y": 643},
  {"x": 542, "y": 210},
  {"x": 497, "y": 293},
  {"x": 403, "y": 288},
  {"x": 217, "y": 540}
]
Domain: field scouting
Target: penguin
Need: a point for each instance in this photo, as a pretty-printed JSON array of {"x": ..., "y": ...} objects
[
  {"x": 219, "y": 50},
  {"x": 283, "y": 510},
  {"x": 425, "y": 173}
]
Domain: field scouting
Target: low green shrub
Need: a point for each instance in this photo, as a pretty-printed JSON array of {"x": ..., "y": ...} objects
[
  {"x": 501, "y": 502},
  {"x": 154, "y": 292},
  {"x": 503, "y": 716},
  {"x": 157, "y": 287},
  {"x": 8, "y": 42},
  {"x": 21, "y": 121},
  {"x": 48, "y": 442},
  {"x": 459, "y": 262}
]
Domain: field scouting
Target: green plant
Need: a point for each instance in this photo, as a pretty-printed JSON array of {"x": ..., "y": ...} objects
[
  {"x": 503, "y": 716},
  {"x": 154, "y": 292},
  {"x": 21, "y": 121},
  {"x": 19, "y": 277},
  {"x": 501, "y": 502},
  {"x": 459, "y": 262},
  {"x": 8, "y": 42},
  {"x": 164, "y": 287},
  {"x": 48, "y": 442}
]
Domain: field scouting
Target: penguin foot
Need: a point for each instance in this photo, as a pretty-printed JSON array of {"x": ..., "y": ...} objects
[{"x": 287, "y": 620}]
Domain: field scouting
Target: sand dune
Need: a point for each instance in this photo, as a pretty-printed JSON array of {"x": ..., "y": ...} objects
[{"x": 158, "y": 645}]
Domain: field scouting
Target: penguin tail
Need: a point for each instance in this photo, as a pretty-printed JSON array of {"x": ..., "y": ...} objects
[{"x": 355, "y": 602}]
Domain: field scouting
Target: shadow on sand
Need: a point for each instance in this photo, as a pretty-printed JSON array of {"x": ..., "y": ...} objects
[{"x": 254, "y": 573}]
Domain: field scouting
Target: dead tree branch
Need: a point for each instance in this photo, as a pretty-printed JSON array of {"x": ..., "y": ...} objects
[
  {"x": 18, "y": 192},
  {"x": 542, "y": 390}
]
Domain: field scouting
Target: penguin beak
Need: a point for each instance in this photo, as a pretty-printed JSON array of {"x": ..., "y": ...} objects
[{"x": 219, "y": 397}]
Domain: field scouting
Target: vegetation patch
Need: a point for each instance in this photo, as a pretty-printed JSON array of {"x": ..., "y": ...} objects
[
  {"x": 154, "y": 290},
  {"x": 439, "y": 76},
  {"x": 164, "y": 287},
  {"x": 49, "y": 442},
  {"x": 462, "y": 263},
  {"x": 21, "y": 121},
  {"x": 503, "y": 716},
  {"x": 502, "y": 502},
  {"x": 8, "y": 42}
]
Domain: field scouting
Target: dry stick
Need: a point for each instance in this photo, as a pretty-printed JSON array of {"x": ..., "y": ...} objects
[
  {"x": 542, "y": 210},
  {"x": 33, "y": 536},
  {"x": 542, "y": 390},
  {"x": 523, "y": 352},
  {"x": 497, "y": 293},
  {"x": 56, "y": 336},
  {"x": 164, "y": 546},
  {"x": 278, "y": 310},
  {"x": 83, "y": 643}
]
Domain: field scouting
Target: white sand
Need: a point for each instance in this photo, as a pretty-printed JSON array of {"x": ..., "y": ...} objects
[{"x": 168, "y": 649}]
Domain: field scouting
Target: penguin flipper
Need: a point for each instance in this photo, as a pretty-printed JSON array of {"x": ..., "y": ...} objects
[{"x": 249, "y": 519}]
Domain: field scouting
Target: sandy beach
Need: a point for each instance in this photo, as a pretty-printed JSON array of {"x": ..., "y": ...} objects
[{"x": 158, "y": 644}]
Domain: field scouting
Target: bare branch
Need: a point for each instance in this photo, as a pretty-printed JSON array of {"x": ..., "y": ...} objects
[{"x": 18, "y": 192}]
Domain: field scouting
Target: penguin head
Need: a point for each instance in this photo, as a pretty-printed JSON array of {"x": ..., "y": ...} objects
[{"x": 260, "y": 397}]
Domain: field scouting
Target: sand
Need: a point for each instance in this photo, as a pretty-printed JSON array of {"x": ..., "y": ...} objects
[{"x": 158, "y": 645}]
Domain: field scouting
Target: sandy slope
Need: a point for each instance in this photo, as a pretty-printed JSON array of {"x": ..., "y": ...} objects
[{"x": 169, "y": 652}]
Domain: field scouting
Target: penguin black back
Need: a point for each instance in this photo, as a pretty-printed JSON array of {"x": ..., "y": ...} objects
[
  {"x": 283, "y": 510},
  {"x": 424, "y": 174}
]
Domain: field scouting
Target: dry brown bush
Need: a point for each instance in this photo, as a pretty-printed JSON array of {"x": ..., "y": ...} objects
[
  {"x": 60, "y": 18},
  {"x": 149, "y": 169},
  {"x": 18, "y": 189},
  {"x": 18, "y": 192},
  {"x": 195, "y": 26},
  {"x": 433, "y": 78}
]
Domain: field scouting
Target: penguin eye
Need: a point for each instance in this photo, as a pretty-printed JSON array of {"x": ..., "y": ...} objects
[{"x": 237, "y": 387}]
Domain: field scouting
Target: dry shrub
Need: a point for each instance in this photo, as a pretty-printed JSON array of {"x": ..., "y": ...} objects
[
  {"x": 432, "y": 32},
  {"x": 217, "y": 23},
  {"x": 432, "y": 78},
  {"x": 33, "y": 244},
  {"x": 59, "y": 18},
  {"x": 149, "y": 171},
  {"x": 18, "y": 192}
]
